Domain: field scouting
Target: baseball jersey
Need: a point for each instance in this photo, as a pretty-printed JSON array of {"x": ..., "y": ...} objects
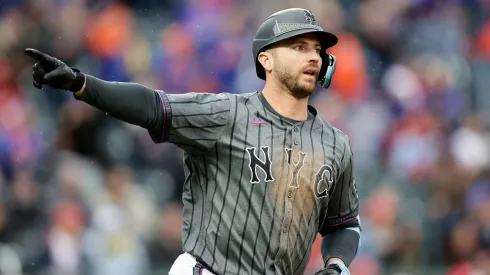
[{"x": 258, "y": 186}]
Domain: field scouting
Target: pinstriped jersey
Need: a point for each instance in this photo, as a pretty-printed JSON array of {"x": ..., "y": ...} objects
[{"x": 258, "y": 186}]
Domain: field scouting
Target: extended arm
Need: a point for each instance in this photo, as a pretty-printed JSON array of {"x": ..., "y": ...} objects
[
  {"x": 192, "y": 121},
  {"x": 129, "y": 102}
]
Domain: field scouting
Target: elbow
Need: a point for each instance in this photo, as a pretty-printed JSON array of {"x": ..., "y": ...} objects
[{"x": 159, "y": 118}]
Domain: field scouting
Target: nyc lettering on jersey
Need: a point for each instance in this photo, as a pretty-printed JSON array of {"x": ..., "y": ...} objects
[{"x": 262, "y": 160}]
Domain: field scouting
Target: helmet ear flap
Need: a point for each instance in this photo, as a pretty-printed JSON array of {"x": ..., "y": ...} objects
[{"x": 328, "y": 69}]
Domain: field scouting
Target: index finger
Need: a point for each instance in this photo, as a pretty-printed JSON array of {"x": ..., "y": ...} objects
[{"x": 38, "y": 55}]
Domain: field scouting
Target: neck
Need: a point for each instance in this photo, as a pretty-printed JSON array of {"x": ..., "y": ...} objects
[{"x": 284, "y": 103}]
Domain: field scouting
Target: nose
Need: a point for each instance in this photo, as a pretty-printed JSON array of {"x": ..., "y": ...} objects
[{"x": 315, "y": 57}]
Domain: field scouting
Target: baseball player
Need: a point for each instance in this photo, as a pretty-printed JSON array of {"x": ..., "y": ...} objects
[{"x": 265, "y": 173}]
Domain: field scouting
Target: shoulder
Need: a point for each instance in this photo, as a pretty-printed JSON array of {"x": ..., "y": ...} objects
[
  {"x": 333, "y": 132},
  {"x": 241, "y": 99},
  {"x": 197, "y": 97},
  {"x": 337, "y": 136},
  {"x": 243, "y": 96}
]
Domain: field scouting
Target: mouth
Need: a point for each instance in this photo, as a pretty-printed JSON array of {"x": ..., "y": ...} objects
[
  {"x": 310, "y": 76},
  {"x": 311, "y": 72}
]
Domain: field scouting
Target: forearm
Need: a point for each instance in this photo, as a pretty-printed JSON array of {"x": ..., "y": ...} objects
[
  {"x": 341, "y": 244},
  {"x": 130, "y": 102}
]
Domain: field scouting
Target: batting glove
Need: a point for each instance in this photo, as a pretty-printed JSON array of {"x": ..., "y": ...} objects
[
  {"x": 51, "y": 71},
  {"x": 334, "y": 268}
]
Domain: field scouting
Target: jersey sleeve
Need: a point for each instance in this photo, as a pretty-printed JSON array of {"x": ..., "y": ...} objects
[
  {"x": 343, "y": 207},
  {"x": 193, "y": 121}
]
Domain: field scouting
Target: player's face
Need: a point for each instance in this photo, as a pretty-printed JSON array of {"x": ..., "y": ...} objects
[{"x": 297, "y": 65}]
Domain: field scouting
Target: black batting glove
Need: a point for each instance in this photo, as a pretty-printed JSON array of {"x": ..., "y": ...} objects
[
  {"x": 334, "y": 269},
  {"x": 53, "y": 72}
]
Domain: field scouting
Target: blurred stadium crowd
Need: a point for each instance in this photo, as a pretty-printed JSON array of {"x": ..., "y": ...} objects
[{"x": 82, "y": 193}]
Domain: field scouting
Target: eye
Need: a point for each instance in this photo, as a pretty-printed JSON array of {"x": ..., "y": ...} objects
[
  {"x": 299, "y": 48},
  {"x": 318, "y": 51}
]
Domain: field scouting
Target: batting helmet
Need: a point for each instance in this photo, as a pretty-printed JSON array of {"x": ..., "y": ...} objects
[{"x": 292, "y": 22}]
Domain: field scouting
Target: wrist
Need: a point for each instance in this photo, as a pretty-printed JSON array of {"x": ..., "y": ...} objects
[
  {"x": 334, "y": 261},
  {"x": 79, "y": 84},
  {"x": 338, "y": 265}
]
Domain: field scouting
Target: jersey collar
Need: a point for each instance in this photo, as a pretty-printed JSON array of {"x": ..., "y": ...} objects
[{"x": 312, "y": 112}]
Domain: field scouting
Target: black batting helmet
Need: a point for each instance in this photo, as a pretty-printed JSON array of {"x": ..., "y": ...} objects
[{"x": 292, "y": 22}]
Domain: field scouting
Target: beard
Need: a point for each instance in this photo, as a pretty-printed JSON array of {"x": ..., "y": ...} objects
[{"x": 299, "y": 88}]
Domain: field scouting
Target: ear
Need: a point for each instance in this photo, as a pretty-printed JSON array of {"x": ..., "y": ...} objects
[{"x": 267, "y": 61}]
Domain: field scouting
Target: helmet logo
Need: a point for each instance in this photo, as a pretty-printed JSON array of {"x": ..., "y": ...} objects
[{"x": 310, "y": 17}]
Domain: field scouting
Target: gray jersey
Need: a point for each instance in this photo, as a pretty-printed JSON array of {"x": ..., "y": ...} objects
[{"x": 259, "y": 187}]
